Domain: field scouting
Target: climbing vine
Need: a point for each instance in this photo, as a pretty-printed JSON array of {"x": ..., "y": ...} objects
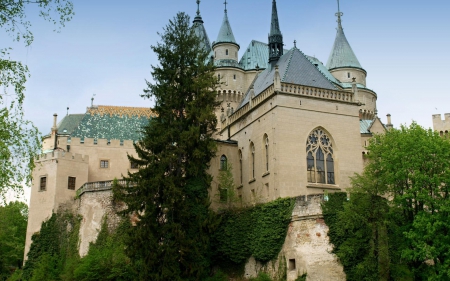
[{"x": 258, "y": 231}]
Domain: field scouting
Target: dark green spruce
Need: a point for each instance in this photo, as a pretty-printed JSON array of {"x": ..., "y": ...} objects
[{"x": 170, "y": 240}]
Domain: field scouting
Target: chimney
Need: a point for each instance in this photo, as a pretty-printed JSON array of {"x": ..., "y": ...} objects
[
  {"x": 54, "y": 128},
  {"x": 389, "y": 124}
]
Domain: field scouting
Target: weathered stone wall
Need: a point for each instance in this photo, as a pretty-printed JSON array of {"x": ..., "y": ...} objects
[
  {"x": 93, "y": 207},
  {"x": 307, "y": 248}
]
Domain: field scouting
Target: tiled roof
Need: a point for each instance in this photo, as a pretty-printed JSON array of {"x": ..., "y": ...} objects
[
  {"x": 342, "y": 54},
  {"x": 256, "y": 54},
  {"x": 200, "y": 31},
  {"x": 69, "y": 123},
  {"x": 295, "y": 68},
  {"x": 112, "y": 122},
  {"x": 365, "y": 125},
  {"x": 225, "y": 34}
]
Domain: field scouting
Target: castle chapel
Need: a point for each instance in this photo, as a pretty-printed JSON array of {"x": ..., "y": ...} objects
[{"x": 289, "y": 126}]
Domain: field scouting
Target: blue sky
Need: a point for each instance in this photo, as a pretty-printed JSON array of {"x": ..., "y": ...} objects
[{"x": 105, "y": 50}]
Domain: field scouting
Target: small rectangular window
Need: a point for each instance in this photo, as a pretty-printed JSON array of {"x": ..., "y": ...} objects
[
  {"x": 234, "y": 77},
  {"x": 291, "y": 264},
  {"x": 43, "y": 184},
  {"x": 134, "y": 165},
  {"x": 104, "y": 164},
  {"x": 71, "y": 183}
]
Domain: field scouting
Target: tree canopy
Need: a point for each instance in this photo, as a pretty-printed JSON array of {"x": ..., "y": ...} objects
[
  {"x": 397, "y": 218},
  {"x": 19, "y": 139},
  {"x": 169, "y": 193}
]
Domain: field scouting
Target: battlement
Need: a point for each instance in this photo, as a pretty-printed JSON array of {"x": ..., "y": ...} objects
[
  {"x": 60, "y": 154},
  {"x": 440, "y": 124},
  {"x": 64, "y": 142}
]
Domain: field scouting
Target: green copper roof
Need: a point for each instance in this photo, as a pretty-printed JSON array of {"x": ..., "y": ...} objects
[
  {"x": 113, "y": 122},
  {"x": 225, "y": 34},
  {"x": 342, "y": 54},
  {"x": 69, "y": 123},
  {"x": 365, "y": 125},
  {"x": 256, "y": 54},
  {"x": 200, "y": 31}
]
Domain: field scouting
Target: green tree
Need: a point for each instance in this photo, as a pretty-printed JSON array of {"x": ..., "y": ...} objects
[
  {"x": 19, "y": 139},
  {"x": 13, "y": 221},
  {"x": 405, "y": 237},
  {"x": 170, "y": 190}
]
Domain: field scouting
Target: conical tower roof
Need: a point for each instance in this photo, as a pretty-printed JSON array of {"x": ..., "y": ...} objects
[
  {"x": 342, "y": 54},
  {"x": 226, "y": 34},
  {"x": 200, "y": 30}
]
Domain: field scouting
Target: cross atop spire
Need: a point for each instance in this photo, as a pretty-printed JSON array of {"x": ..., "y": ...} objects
[
  {"x": 225, "y": 5},
  {"x": 339, "y": 14}
]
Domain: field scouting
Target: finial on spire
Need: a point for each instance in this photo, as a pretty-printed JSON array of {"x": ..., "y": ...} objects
[
  {"x": 295, "y": 43},
  {"x": 225, "y": 5},
  {"x": 198, "y": 7},
  {"x": 339, "y": 14}
]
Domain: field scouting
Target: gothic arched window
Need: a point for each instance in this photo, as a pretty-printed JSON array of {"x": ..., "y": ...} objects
[
  {"x": 252, "y": 151},
  {"x": 319, "y": 159},
  {"x": 266, "y": 146},
  {"x": 223, "y": 163},
  {"x": 240, "y": 166}
]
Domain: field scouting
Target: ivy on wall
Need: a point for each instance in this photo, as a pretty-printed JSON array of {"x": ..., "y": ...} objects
[{"x": 258, "y": 231}]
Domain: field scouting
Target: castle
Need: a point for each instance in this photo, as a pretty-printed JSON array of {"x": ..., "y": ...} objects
[{"x": 289, "y": 125}]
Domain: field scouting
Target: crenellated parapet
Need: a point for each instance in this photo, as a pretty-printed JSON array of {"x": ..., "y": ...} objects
[
  {"x": 61, "y": 154},
  {"x": 441, "y": 125}
]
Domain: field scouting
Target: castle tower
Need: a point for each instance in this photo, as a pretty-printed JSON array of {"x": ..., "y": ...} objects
[
  {"x": 342, "y": 62},
  {"x": 200, "y": 30},
  {"x": 275, "y": 36},
  {"x": 229, "y": 72},
  {"x": 225, "y": 47}
]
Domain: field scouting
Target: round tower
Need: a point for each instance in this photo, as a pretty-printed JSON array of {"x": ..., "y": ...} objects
[
  {"x": 225, "y": 47},
  {"x": 345, "y": 67}
]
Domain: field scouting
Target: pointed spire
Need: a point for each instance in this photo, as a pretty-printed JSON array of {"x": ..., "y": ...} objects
[
  {"x": 226, "y": 34},
  {"x": 200, "y": 30},
  {"x": 342, "y": 54},
  {"x": 275, "y": 36}
]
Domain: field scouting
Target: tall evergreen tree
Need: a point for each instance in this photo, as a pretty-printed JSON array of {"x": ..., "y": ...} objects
[{"x": 169, "y": 194}]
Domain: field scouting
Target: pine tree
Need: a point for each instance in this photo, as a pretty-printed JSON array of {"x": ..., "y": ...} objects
[{"x": 169, "y": 194}]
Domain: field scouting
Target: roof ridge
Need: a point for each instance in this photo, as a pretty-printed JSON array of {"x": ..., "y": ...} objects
[
  {"x": 323, "y": 74},
  {"x": 289, "y": 62}
]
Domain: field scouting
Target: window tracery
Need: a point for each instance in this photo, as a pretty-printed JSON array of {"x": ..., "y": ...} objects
[{"x": 319, "y": 159}]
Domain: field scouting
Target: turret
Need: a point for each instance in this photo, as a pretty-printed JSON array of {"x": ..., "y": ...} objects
[
  {"x": 225, "y": 47},
  {"x": 200, "y": 30},
  {"x": 275, "y": 36},
  {"x": 342, "y": 62}
]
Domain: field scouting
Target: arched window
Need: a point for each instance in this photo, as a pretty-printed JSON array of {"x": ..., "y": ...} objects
[
  {"x": 240, "y": 167},
  {"x": 223, "y": 163},
  {"x": 252, "y": 151},
  {"x": 226, "y": 52},
  {"x": 266, "y": 146},
  {"x": 218, "y": 76},
  {"x": 319, "y": 159}
]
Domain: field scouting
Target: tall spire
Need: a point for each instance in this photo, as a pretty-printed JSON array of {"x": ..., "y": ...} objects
[
  {"x": 226, "y": 34},
  {"x": 200, "y": 30},
  {"x": 275, "y": 36},
  {"x": 342, "y": 54}
]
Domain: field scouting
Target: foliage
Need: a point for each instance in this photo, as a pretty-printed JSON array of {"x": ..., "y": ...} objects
[
  {"x": 53, "y": 253},
  {"x": 170, "y": 190},
  {"x": 259, "y": 231},
  {"x": 13, "y": 221},
  {"x": 19, "y": 139},
  {"x": 106, "y": 259},
  {"x": 261, "y": 277},
  {"x": 405, "y": 237},
  {"x": 302, "y": 277},
  {"x": 227, "y": 188}
]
